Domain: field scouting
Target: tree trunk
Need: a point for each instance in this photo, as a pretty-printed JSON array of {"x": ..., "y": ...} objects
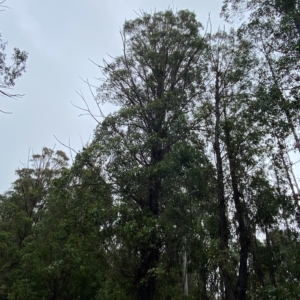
[
  {"x": 271, "y": 264},
  {"x": 150, "y": 252},
  {"x": 184, "y": 272},
  {"x": 241, "y": 286},
  {"x": 223, "y": 226},
  {"x": 146, "y": 281}
]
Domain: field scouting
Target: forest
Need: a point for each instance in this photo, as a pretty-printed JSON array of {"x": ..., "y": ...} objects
[{"x": 189, "y": 189}]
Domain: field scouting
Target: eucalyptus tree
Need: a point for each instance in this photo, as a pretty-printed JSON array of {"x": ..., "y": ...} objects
[
  {"x": 155, "y": 84},
  {"x": 287, "y": 12},
  {"x": 273, "y": 26},
  {"x": 22, "y": 207},
  {"x": 27, "y": 196},
  {"x": 246, "y": 144},
  {"x": 236, "y": 142},
  {"x": 65, "y": 257}
]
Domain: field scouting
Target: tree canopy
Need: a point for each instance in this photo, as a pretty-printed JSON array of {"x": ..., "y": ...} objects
[{"x": 188, "y": 189}]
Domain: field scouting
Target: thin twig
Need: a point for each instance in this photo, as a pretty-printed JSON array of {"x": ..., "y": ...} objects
[
  {"x": 69, "y": 147},
  {"x": 6, "y": 112}
]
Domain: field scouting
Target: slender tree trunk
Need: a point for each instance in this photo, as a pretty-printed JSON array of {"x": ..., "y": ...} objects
[
  {"x": 223, "y": 223},
  {"x": 222, "y": 290},
  {"x": 292, "y": 172},
  {"x": 291, "y": 125},
  {"x": 146, "y": 282},
  {"x": 286, "y": 168},
  {"x": 271, "y": 268},
  {"x": 241, "y": 286},
  {"x": 184, "y": 272},
  {"x": 150, "y": 253},
  {"x": 256, "y": 262}
]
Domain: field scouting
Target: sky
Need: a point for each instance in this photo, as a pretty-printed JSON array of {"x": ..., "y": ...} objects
[{"x": 62, "y": 39}]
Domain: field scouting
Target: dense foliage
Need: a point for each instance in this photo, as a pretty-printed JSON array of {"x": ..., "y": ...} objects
[{"x": 187, "y": 190}]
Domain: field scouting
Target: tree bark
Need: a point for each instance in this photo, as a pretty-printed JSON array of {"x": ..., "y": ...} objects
[
  {"x": 241, "y": 286},
  {"x": 223, "y": 224},
  {"x": 150, "y": 252},
  {"x": 146, "y": 281},
  {"x": 184, "y": 272}
]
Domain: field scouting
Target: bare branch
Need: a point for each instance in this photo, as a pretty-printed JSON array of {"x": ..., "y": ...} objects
[
  {"x": 99, "y": 66},
  {"x": 6, "y": 112},
  {"x": 69, "y": 147},
  {"x": 87, "y": 110},
  {"x": 94, "y": 96},
  {"x": 13, "y": 96}
]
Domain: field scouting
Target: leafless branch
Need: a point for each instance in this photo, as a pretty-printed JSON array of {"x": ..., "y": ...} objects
[
  {"x": 3, "y": 6},
  {"x": 6, "y": 112},
  {"x": 69, "y": 147},
  {"x": 208, "y": 24},
  {"x": 87, "y": 110},
  {"x": 99, "y": 66},
  {"x": 13, "y": 96}
]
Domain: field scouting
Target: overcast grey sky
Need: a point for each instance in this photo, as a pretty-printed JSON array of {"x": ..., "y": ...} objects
[{"x": 61, "y": 37}]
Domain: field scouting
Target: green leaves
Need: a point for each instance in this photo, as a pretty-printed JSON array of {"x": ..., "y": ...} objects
[{"x": 187, "y": 190}]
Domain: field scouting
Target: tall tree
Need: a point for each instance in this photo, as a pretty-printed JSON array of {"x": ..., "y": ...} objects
[
  {"x": 155, "y": 83},
  {"x": 65, "y": 257},
  {"x": 273, "y": 29},
  {"x": 235, "y": 141},
  {"x": 22, "y": 207}
]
